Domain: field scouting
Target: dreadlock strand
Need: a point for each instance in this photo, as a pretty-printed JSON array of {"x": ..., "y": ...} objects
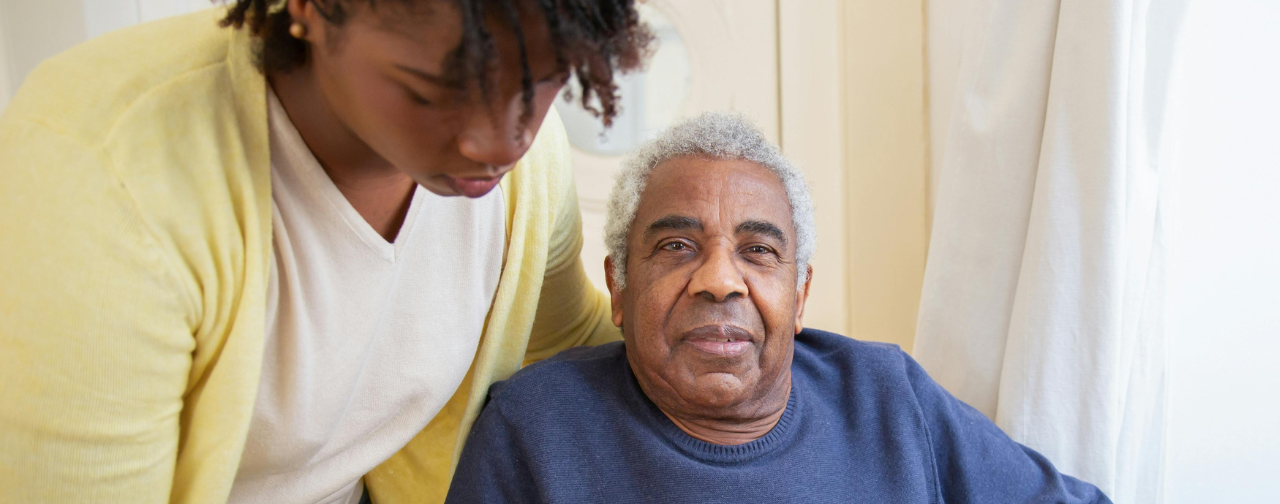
[
  {"x": 592, "y": 39},
  {"x": 526, "y": 74},
  {"x": 551, "y": 14},
  {"x": 479, "y": 46}
]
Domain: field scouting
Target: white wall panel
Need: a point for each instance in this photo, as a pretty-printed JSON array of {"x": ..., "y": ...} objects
[
  {"x": 105, "y": 16},
  {"x": 150, "y": 10},
  {"x": 36, "y": 30},
  {"x": 1224, "y": 274},
  {"x": 32, "y": 31}
]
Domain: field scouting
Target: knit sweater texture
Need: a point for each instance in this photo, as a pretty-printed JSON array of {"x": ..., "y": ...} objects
[{"x": 864, "y": 423}]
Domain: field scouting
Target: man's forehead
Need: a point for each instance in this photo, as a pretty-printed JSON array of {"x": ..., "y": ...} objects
[
  {"x": 691, "y": 192},
  {"x": 758, "y": 227}
]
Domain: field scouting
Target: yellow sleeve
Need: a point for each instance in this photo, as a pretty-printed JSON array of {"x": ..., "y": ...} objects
[
  {"x": 95, "y": 329},
  {"x": 571, "y": 311}
]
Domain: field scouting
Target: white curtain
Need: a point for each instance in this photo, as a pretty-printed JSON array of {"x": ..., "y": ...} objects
[{"x": 1043, "y": 297}]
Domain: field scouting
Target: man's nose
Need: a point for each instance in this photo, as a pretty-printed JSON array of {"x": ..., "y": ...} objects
[
  {"x": 718, "y": 278},
  {"x": 497, "y": 138}
]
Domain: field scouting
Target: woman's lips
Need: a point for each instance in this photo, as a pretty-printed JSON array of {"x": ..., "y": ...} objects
[
  {"x": 473, "y": 187},
  {"x": 723, "y": 341}
]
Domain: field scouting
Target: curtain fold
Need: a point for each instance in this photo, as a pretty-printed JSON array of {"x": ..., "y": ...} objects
[{"x": 1043, "y": 297}]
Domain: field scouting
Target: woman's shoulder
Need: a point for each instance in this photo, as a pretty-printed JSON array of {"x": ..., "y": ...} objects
[
  {"x": 165, "y": 122},
  {"x": 168, "y": 66},
  {"x": 547, "y": 168}
]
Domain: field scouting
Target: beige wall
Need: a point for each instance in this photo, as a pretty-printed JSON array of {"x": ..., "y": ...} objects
[
  {"x": 887, "y": 181},
  {"x": 853, "y": 114},
  {"x": 6, "y": 90},
  {"x": 725, "y": 40},
  {"x": 811, "y": 136}
]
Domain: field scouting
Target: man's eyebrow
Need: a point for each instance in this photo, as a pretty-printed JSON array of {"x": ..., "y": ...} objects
[
  {"x": 438, "y": 80},
  {"x": 672, "y": 222},
  {"x": 762, "y": 228}
]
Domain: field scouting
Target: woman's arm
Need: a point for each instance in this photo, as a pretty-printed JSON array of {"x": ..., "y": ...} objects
[
  {"x": 95, "y": 335},
  {"x": 571, "y": 311}
]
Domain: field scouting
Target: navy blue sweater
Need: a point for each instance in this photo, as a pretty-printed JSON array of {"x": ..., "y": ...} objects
[{"x": 864, "y": 424}]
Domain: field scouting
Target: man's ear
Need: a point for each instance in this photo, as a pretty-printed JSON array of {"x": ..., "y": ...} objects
[
  {"x": 615, "y": 294},
  {"x": 802, "y": 295}
]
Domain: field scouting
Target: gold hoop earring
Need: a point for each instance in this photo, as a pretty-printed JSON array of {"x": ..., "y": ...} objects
[{"x": 298, "y": 30}]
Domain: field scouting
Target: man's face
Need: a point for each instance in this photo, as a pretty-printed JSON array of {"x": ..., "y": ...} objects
[{"x": 711, "y": 304}]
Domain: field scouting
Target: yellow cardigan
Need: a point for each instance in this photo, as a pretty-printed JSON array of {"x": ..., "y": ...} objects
[{"x": 135, "y": 244}]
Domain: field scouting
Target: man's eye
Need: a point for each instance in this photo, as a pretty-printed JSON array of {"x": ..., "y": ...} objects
[
  {"x": 675, "y": 246},
  {"x": 758, "y": 249}
]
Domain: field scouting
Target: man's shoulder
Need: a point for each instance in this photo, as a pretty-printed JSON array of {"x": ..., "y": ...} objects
[
  {"x": 868, "y": 366},
  {"x": 574, "y": 361},
  {"x": 570, "y": 379},
  {"x": 832, "y": 348}
]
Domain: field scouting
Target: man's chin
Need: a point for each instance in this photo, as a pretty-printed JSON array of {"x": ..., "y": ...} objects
[{"x": 719, "y": 390}]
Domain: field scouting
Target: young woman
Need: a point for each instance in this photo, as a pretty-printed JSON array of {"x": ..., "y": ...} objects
[{"x": 277, "y": 252}]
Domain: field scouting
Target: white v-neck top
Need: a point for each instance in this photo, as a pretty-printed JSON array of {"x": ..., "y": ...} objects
[{"x": 366, "y": 340}]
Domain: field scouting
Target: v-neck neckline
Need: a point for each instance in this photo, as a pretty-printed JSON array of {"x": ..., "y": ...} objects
[{"x": 317, "y": 180}]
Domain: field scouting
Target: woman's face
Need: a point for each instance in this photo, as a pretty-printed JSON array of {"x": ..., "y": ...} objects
[{"x": 384, "y": 72}]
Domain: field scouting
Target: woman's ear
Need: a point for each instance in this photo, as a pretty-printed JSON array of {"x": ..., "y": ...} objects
[
  {"x": 307, "y": 24},
  {"x": 298, "y": 11}
]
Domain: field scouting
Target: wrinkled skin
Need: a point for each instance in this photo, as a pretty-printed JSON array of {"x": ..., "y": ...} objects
[
  {"x": 375, "y": 107},
  {"x": 711, "y": 305}
]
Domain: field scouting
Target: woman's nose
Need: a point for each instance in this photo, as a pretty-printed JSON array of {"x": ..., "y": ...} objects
[{"x": 497, "y": 139}]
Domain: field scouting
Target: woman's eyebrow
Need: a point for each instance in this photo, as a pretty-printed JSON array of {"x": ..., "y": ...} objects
[
  {"x": 455, "y": 83},
  {"x": 439, "y": 80},
  {"x": 559, "y": 75}
]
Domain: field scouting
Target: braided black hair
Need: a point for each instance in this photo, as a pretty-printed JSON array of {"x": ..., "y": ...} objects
[{"x": 592, "y": 38}]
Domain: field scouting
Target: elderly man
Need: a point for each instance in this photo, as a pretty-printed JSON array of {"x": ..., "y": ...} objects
[{"x": 718, "y": 394}]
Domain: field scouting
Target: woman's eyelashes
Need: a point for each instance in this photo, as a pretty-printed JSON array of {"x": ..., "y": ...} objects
[{"x": 417, "y": 98}]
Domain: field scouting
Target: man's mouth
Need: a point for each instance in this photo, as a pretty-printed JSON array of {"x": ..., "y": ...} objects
[{"x": 720, "y": 340}]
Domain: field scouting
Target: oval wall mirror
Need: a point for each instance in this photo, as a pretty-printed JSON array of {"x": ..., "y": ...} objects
[{"x": 651, "y": 99}]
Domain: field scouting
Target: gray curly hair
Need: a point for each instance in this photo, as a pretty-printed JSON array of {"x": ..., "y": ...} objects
[{"x": 716, "y": 135}]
